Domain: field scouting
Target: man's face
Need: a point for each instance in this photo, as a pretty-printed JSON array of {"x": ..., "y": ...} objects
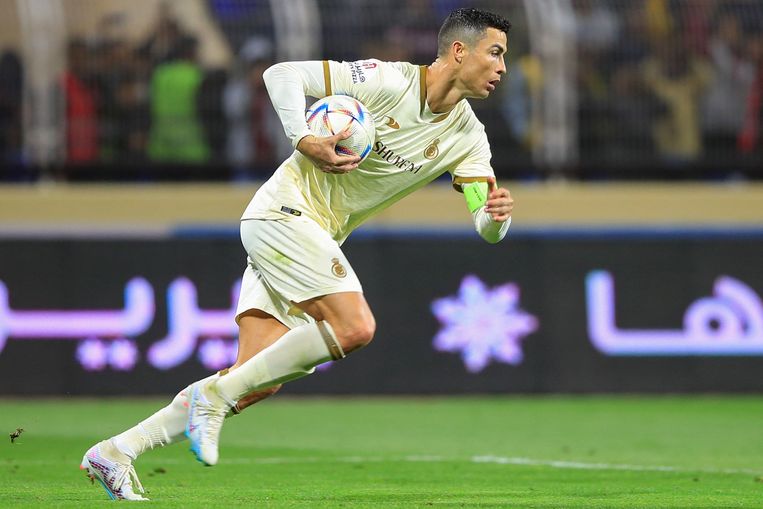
[{"x": 483, "y": 64}]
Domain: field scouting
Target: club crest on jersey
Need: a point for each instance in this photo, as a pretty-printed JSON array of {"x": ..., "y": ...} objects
[
  {"x": 432, "y": 151},
  {"x": 337, "y": 268}
]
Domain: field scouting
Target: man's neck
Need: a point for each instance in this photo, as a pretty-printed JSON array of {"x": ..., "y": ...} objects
[{"x": 443, "y": 92}]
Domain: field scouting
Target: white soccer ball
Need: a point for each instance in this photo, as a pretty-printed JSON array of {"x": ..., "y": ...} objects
[{"x": 336, "y": 113}]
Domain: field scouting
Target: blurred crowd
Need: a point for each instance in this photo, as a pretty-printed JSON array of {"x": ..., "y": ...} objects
[
  {"x": 682, "y": 80},
  {"x": 667, "y": 81}
]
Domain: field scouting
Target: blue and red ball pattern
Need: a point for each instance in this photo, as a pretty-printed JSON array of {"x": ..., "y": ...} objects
[{"x": 336, "y": 113}]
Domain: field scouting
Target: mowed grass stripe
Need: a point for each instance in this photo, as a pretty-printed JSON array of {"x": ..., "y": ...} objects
[{"x": 577, "y": 452}]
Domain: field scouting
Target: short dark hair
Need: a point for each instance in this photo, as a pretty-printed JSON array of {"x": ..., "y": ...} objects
[{"x": 469, "y": 25}]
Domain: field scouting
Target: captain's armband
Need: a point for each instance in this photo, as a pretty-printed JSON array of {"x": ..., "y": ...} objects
[{"x": 475, "y": 194}]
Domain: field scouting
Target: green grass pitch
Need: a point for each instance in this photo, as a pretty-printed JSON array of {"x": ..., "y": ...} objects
[{"x": 535, "y": 452}]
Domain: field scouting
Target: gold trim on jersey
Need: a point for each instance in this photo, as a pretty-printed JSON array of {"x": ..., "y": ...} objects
[
  {"x": 466, "y": 180},
  {"x": 423, "y": 95},
  {"x": 423, "y": 87},
  {"x": 327, "y": 77}
]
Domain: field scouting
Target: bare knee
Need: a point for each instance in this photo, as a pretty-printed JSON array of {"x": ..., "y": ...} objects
[
  {"x": 355, "y": 334},
  {"x": 351, "y": 320}
]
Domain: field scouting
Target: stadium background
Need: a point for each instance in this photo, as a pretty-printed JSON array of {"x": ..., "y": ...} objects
[{"x": 132, "y": 135}]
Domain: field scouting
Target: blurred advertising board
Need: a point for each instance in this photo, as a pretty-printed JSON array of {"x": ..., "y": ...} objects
[{"x": 539, "y": 313}]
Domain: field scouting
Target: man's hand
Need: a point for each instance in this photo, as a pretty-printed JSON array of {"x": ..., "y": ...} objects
[
  {"x": 321, "y": 151},
  {"x": 499, "y": 202}
]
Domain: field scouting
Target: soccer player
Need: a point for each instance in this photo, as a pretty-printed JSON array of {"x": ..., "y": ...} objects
[{"x": 301, "y": 303}]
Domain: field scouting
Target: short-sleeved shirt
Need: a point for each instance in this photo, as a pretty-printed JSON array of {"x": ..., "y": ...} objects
[{"x": 413, "y": 146}]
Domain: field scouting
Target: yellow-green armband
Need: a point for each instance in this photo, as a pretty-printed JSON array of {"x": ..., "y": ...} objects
[{"x": 475, "y": 194}]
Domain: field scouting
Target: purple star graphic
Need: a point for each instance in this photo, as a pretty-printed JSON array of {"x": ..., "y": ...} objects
[{"x": 483, "y": 324}]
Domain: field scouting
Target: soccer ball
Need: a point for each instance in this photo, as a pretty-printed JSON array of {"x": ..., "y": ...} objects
[{"x": 335, "y": 113}]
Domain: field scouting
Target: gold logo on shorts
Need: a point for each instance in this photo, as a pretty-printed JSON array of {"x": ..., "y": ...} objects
[
  {"x": 337, "y": 268},
  {"x": 432, "y": 151}
]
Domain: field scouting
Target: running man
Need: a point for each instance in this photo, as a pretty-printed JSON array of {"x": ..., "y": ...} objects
[{"x": 301, "y": 303}]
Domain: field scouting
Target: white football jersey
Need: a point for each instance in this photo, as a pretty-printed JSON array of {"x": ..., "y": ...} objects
[{"x": 413, "y": 146}]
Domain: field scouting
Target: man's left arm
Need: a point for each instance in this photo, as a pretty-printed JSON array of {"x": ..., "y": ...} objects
[
  {"x": 491, "y": 208},
  {"x": 473, "y": 175}
]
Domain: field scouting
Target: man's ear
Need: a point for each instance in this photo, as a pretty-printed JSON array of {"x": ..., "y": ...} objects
[{"x": 459, "y": 51}]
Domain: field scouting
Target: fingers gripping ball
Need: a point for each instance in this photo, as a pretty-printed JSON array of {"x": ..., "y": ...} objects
[{"x": 336, "y": 113}]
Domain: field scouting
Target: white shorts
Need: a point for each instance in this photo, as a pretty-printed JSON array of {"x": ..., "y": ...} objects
[{"x": 291, "y": 260}]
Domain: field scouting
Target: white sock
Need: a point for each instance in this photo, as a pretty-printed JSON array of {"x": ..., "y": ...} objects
[
  {"x": 162, "y": 428},
  {"x": 294, "y": 355}
]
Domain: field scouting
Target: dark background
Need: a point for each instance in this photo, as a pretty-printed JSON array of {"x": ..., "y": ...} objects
[{"x": 657, "y": 276}]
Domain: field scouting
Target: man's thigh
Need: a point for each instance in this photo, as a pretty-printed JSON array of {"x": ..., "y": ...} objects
[
  {"x": 297, "y": 259},
  {"x": 257, "y": 295}
]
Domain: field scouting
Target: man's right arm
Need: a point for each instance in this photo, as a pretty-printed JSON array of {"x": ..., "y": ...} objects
[{"x": 288, "y": 83}]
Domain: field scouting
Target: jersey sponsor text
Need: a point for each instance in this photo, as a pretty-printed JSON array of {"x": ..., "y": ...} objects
[{"x": 391, "y": 157}]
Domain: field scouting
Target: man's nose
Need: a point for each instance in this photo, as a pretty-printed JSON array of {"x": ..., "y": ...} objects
[{"x": 502, "y": 67}]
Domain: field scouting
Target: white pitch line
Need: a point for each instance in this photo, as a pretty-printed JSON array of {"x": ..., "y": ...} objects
[
  {"x": 579, "y": 465},
  {"x": 485, "y": 459},
  {"x": 499, "y": 460}
]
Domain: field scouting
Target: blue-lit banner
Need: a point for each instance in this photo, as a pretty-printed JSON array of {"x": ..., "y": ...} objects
[{"x": 529, "y": 315}]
